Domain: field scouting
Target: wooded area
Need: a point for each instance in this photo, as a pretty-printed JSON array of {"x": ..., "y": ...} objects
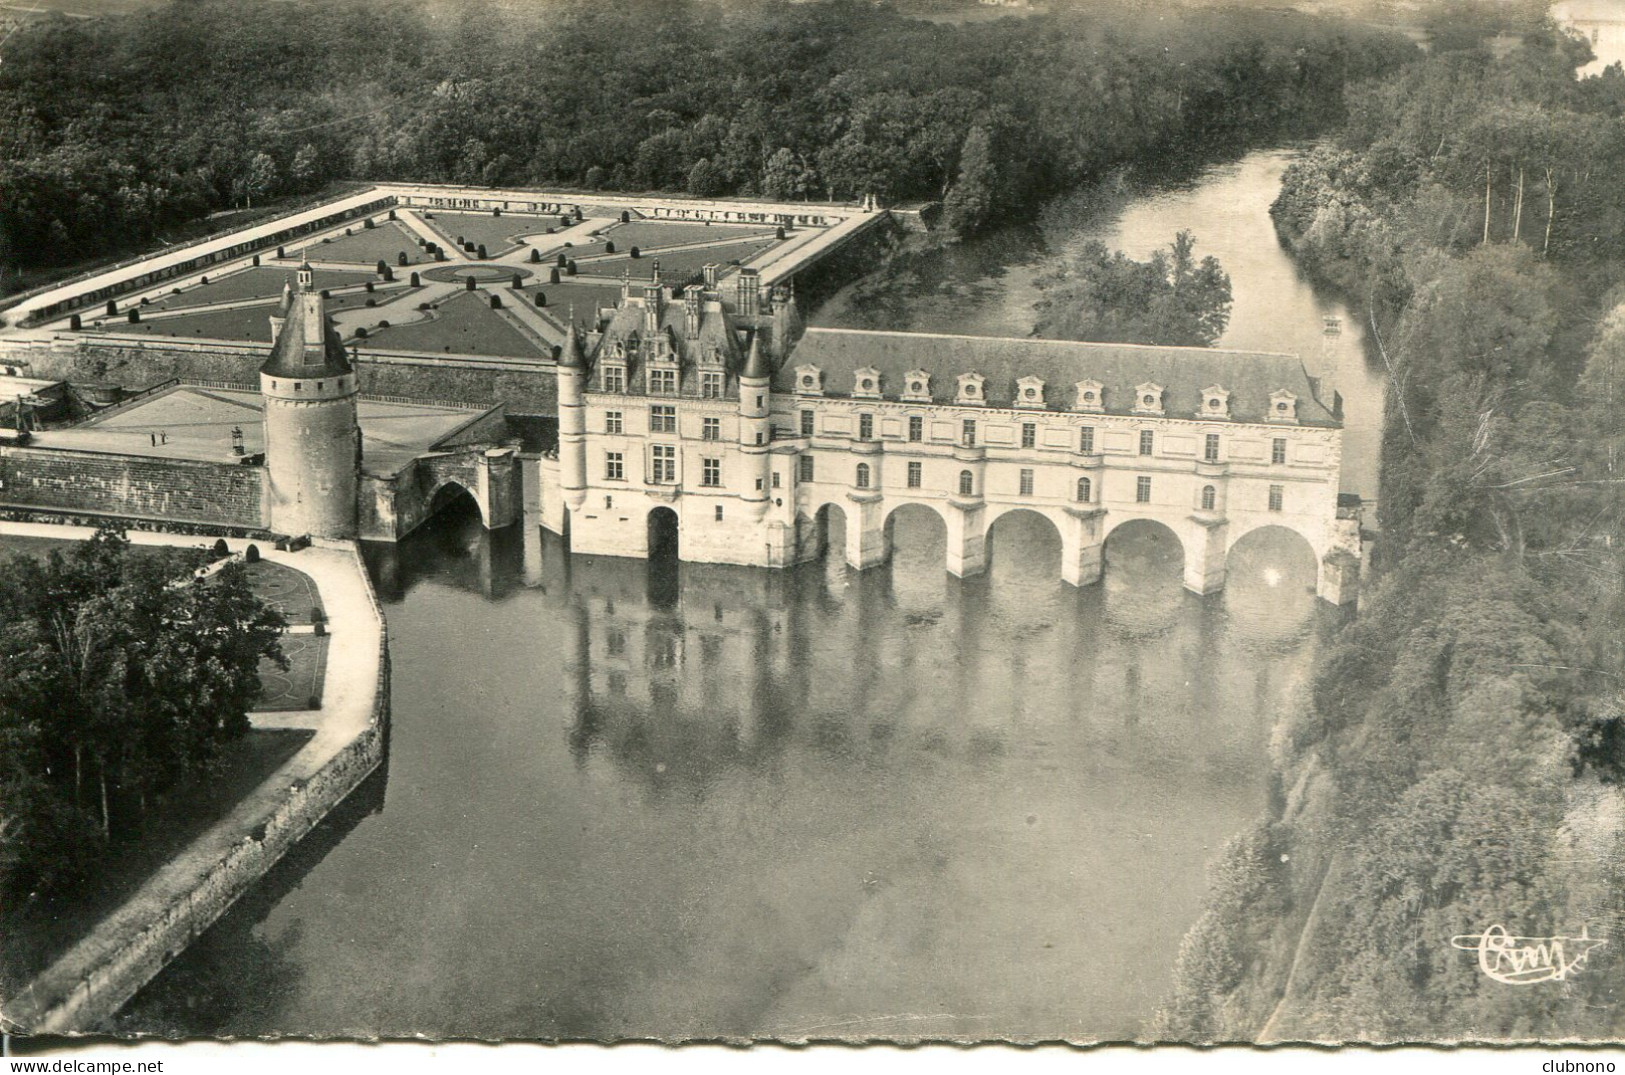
[
  {"x": 115, "y": 129},
  {"x": 1445, "y": 773}
]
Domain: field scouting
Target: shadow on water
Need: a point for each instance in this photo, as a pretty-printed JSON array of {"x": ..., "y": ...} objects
[{"x": 453, "y": 547}]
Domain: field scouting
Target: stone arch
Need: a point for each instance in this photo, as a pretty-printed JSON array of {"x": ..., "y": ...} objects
[
  {"x": 1159, "y": 532},
  {"x": 664, "y": 532},
  {"x": 447, "y": 493},
  {"x": 914, "y": 508},
  {"x": 829, "y": 518},
  {"x": 1040, "y": 568},
  {"x": 1292, "y": 545}
]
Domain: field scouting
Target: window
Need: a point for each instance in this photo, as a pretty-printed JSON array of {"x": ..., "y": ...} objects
[
  {"x": 711, "y": 384},
  {"x": 967, "y": 435},
  {"x": 758, "y": 485},
  {"x": 612, "y": 421},
  {"x": 1210, "y": 497},
  {"x": 614, "y": 467},
  {"x": 1277, "y": 495},
  {"x": 1142, "y": 490},
  {"x": 614, "y": 379},
  {"x": 1029, "y": 435},
  {"x": 915, "y": 475},
  {"x": 1147, "y": 441},
  {"x": 1210, "y": 451},
  {"x": 1278, "y": 450},
  {"x": 663, "y": 382},
  {"x": 967, "y": 483},
  {"x": 664, "y": 458},
  {"x": 662, "y": 419},
  {"x": 719, "y": 513},
  {"x": 711, "y": 472},
  {"x": 806, "y": 463},
  {"x": 711, "y": 429},
  {"x": 760, "y": 437},
  {"x": 866, "y": 427},
  {"x": 806, "y": 423},
  {"x": 1086, "y": 439},
  {"x": 1086, "y": 488},
  {"x": 863, "y": 476},
  {"x": 775, "y": 479},
  {"x": 1026, "y": 485},
  {"x": 916, "y": 427}
]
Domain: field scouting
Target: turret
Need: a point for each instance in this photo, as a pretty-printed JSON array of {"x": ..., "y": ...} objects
[
  {"x": 312, "y": 436},
  {"x": 755, "y": 422},
  {"x": 572, "y": 383}
]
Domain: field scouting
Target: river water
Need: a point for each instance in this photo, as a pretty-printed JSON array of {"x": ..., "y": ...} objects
[{"x": 661, "y": 800}]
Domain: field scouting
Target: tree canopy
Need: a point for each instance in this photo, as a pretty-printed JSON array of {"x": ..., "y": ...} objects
[{"x": 1107, "y": 297}]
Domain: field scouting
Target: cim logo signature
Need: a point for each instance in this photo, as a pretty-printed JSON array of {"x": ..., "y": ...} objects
[{"x": 1526, "y": 960}]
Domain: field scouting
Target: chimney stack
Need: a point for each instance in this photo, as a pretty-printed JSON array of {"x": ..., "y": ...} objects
[{"x": 750, "y": 291}]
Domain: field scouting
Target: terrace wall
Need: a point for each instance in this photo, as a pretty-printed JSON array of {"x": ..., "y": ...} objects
[
  {"x": 526, "y": 387},
  {"x": 107, "y": 484}
]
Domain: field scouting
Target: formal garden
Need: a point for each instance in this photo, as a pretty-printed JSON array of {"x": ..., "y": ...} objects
[{"x": 463, "y": 324}]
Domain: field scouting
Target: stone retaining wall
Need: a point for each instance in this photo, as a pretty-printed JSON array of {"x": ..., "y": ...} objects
[{"x": 103, "y": 483}]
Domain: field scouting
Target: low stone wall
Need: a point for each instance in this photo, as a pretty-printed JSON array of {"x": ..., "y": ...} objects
[{"x": 103, "y": 483}]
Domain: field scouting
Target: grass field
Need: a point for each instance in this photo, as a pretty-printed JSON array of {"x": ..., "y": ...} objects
[
  {"x": 586, "y": 297},
  {"x": 496, "y": 232},
  {"x": 466, "y": 325},
  {"x": 648, "y": 234},
  {"x": 675, "y": 265},
  {"x": 238, "y": 324},
  {"x": 294, "y": 689},
  {"x": 260, "y": 282},
  {"x": 387, "y": 241}
]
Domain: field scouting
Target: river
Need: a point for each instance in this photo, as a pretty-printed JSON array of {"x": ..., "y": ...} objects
[{"x": 661, "y": 800}]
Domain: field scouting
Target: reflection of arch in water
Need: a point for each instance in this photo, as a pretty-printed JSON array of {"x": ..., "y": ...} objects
[
  {"x": 1270, "y": 581},
  {"x": 828, "y": 528},
  {"x": 664, "y": 529},
  {"x": 1143, "y": 577}
]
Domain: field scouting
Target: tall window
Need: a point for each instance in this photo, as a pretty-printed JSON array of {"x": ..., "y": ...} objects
[
  {"x": 866, "y": 427},
  {"x": 775, "y": 479},
  {"x": 967, "y": 433},
  {"x": 711, "y": 384},
  {"x": 863, "y": 476},
  {"x": 806, "y": 465},
  {"x": 664, "y": 464},
  {"x": 614, "y": 379},
  {"x": 1086, "y": 439},
  {"x": 1142, "y": 490},
  {"x": 1210, "y": 498},
  {"x": 1026, "y": 483},
  {"x": 1210, "y": 450},
  {"x": 614, "y": 467},
  {"x": 710, "y": 429},
  {"x": 1147, "y": 440},
  {"x": 1029, "y": 434},
  {"x": 1278, "y": 450},
  {"x": 663, "y": 382},
  {"x": 612, "y": 421},
  {"x": 711, "y": 472},
  {"x": 662, "y": 419},
  {"x": 1277, "y": 496},
  {"x": 967, "y": 483},
  {"x": 719, "y": 513},
  {"x": 806, "y": 423},
  {"x": 1086, "y": 490},
  {"x": 916, "y": 427},
  {"x": 915, "y": 475}
]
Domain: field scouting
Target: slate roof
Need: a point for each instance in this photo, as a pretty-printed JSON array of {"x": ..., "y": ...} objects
[
  {"x": 1250, "y": 377},
  {"x": 304, "y": 315}
]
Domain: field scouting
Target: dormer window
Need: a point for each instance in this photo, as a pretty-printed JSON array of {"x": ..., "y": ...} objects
[
  {"x": 917, "y": 386},
  {"x": 972, "y": 389},
  {"x": 866, "y": 383},
  {"x": 1030, "y": 392},
  {"x": 1148, "y": 398},
  {"x": 1215, "y": 403},
  {"x": 1283, "y": 407},
  {"x": 809, "y": 381},
  {"x": 1091, "y": 396}
]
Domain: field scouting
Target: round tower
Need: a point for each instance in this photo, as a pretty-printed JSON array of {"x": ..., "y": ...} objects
[
  {"x": 312, "y": 436},
  {"x": 572, "y": 379},
  {"x": 755, "y": 424}
]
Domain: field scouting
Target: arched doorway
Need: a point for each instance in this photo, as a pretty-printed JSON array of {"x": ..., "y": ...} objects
[
  {"x": 663, "y": 534},
  {"x": 1271, "y": 574},
  {"x": 455, "y": 497}
]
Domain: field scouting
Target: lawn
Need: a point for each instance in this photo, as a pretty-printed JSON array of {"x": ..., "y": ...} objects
[
  {"x": 385, "y": 242},
  {"x": 237, "y": 323},
  {"x": 586, "y": 297},
  {"x": 498, "y": 233},
  {"x": 260, "y": 282},
  {"x": 649, "y": 234},
  {"x": 675, "y": 265},
  {"x": 299, "y": 686},
  {"x": 465, "y": 324}
]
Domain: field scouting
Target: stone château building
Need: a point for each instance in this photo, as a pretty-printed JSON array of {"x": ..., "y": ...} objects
[{"x": 729, "y": 429}]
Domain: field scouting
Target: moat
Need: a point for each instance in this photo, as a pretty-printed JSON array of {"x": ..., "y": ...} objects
[{"x": 626, "y": 797}]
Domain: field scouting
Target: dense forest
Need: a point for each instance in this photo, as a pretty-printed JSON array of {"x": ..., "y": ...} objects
[
  {"x": 1457, "y": 761},
  {"x": 115, "y": 130}
]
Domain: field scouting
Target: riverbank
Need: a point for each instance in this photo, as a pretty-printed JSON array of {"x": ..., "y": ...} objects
[{"x": 84, "y": 987}]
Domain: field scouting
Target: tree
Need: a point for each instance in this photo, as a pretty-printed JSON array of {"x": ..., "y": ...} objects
[
  {"x": 260, "y": 178},
  {"x": 784, "y": 176},
  {"x": 1107, "y": 297},
  {"x": 970, "y": 201},
  {"x": 705, "y": 180},
  {"x": 304, "y": 172}
]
